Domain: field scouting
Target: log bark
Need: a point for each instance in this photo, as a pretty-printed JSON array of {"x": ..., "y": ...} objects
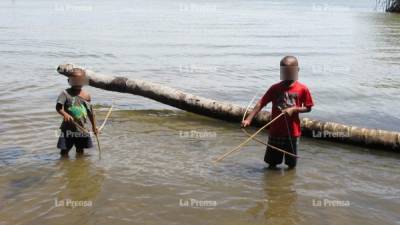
[
  {"x": 381, "y": 139},
  {"x": 391, "y": 5}
]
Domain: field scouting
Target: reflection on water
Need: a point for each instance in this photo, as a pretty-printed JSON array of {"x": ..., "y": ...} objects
[
  {"x": 65, "y": 188},
  {"x": 280, "y": 198},
  {"x": 80, "y": 181}
]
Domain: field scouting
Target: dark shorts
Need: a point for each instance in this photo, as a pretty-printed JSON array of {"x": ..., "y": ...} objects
[
  {"x": 274, "y": 157},
  {"x": 68, "y": 139}
]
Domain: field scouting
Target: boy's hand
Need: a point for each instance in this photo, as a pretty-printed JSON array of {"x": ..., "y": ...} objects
[
  {"x": 246, "y": 123},
  {"x": 290, "y": 110},
  {"x": 68, "y": 118},
  {"x": 95, "y": 130}
]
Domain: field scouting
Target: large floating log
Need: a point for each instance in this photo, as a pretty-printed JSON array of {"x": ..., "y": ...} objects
[{"x": 375, "y": 138}]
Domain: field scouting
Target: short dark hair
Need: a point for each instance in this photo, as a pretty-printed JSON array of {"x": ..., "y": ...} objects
[
  {"x": 77, "y": 71},
  {"x": 289, "y": 61}
]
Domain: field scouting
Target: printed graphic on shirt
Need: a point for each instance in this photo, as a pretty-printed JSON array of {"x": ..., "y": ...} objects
[{"x": 286, "y": 100}]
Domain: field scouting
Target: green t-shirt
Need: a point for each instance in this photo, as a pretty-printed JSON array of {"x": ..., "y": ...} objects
[{"x": 75, "y": 106}]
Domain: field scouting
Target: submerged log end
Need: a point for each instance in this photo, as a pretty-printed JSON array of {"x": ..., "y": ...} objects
[
  {"x": 351, "y": 134},
  {"x": 65, "y": 69}
]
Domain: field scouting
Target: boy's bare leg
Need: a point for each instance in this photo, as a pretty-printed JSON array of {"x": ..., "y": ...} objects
[
  {"x": 273, "y": 167},
  {"x": 291, "y": 167},
  {"x": 79, "y": 151},
  {"x": 64, "y": 153}
]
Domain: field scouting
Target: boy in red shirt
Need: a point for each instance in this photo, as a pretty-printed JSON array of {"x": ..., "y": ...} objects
[{"x": 291, "y": 97}]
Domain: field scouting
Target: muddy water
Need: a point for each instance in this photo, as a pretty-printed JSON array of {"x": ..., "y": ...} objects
[
  {"x": 156, "y": 162},
  {"x": 156, "y": 169}
]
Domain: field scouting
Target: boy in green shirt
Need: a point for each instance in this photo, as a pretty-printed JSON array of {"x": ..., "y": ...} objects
[{"x": 74, "y": 105}]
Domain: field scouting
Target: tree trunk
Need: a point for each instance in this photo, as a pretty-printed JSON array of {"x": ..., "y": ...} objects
[
  {"x": 230, "y": 112},
  {"x": 390, "y": 5}
]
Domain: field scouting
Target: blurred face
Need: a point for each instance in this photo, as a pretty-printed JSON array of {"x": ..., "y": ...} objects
[
  {"x": 77, "y": 81},
  {"x": 289, "y": 73}
]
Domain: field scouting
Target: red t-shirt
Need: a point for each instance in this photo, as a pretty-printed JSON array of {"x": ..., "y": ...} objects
[{"x": 283, "y": 97}]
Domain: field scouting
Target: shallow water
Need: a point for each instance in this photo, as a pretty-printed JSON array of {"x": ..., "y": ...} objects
[
  {"x": 148, "y": 168},
  {"x": 155, "y": 159}
]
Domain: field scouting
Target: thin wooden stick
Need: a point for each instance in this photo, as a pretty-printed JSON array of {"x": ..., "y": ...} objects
[
  {"x": 99, "y": 129},
  {"x": 248, "y": 107},
  {"x": 98, "y": 144},
  {"x": 96, "y": 135},
  {"x": 80, "y": 127},
  {"x": 258, "y": 140},
  {"x": 88, "y": 132},
  {"x": 247, "y": 140},
  {"x": 269, "y": 145},
  {"x": 106, "y": 118}
]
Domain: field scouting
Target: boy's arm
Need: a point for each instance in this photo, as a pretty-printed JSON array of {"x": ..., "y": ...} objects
[
  {"x": 260, "y": 104},
  {"x": 92, "y": 117},
  {"x": 61, "y": 111},
  {"x": 61, "y": 99},
  {"x": 304, "y": 109},
  {"x": 296, "y": 109},
  {"x": 306, "y": 104},
  {"x": 93, "y": 121},
  {"x": 253, "y": 113}
]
